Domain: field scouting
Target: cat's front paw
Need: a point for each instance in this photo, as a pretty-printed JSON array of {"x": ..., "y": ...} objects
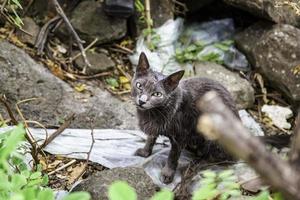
[
  {"x": 142, "y": 152},
  {"x": 167, "y": 174}
]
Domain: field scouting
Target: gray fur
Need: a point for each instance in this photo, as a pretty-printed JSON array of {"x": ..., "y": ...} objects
[{"x": 174, "y": 114}]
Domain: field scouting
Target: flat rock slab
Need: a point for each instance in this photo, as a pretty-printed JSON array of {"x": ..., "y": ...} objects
[
  {"x": 22, "y": 78},
  {"x": 240, "y": 89}
]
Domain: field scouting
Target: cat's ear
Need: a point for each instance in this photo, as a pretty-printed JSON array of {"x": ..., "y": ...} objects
[
  {"x": 143, "y": 65},
  {"x": 172, "y": 81}
]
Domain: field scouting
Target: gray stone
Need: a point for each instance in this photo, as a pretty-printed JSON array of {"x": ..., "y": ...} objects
[
  {"x": 97, "y": 185},
  {"x": 275, "y": 52},
  {"x": 30, "y": 27},
  {"x": 240, "y": 88},
  {"x": 161, "y": 11},
  {"x": 99, "y": 62},
  {"x": 22, "y": 78},
  {"x": 276, "y": 10},
  {"x": 90, "y": 22},
  {"x": 246, "y": 40}
]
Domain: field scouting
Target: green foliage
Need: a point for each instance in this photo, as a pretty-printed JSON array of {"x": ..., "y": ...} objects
[
  {"x": 192, "y": 52},
  {"x": 213, "y": 185},
  {"x": 121, "y": 191},
  {"x": 18, "y": 182},
  {"x": 112, "y": 82},
  {"x": 222, "y": 185},
  {"x": 163, "y": 195},
  {"x": 154, "y": 40}
]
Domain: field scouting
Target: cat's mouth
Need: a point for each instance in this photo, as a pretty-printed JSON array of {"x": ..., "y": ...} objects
[{"x": 141, "y": 107}]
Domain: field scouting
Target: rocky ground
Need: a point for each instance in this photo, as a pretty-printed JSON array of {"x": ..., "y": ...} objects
[{"x": 268, "y": 34}]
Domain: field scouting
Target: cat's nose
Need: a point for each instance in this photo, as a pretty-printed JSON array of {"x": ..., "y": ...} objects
[
  {"x": 141, "y": 102},
  {"x": 142, "y": 99}
]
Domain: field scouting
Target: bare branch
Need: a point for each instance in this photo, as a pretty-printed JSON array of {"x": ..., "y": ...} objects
[
  {"x": 70, "y": 27},
  {"x": 219, "y": 123},
  {"x": 58, "y": 131}
]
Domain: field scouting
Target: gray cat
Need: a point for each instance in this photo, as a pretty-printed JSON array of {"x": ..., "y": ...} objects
[{"x": 167, "y": 106}]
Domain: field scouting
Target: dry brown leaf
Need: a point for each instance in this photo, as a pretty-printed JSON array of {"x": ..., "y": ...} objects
[
  {"x": 76, "y": 172},
  {"x": 54, "y": 164}
]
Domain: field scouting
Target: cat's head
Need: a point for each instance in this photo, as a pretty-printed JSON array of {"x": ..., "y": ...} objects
[{"x": 152, "y": 89}]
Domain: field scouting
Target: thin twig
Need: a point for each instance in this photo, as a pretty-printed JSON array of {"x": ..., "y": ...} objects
[
  {"x": 92, "y": 76},
  {"x": 70, "y": 27},
  {"x": 10, "y": 113},
  {"x": 43, "y": 34},
  {"x": 62, "y": 167},
  {"x": 129, "y": 51},
  {"x": 124, "y": 73},
  {"x": 86, "y": 48},
  {"x": 148, "y": 19},
  {"x": 28, "y": 135},
  {"x": 58, "y": 131},
  {"x": 88, "y": 154},
  {"x": 3, "y": 6}
]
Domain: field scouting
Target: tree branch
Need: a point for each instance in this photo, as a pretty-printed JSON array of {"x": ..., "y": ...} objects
[
  {"x": 70, "y": 27},
  {"x": 219, "y": 123}
]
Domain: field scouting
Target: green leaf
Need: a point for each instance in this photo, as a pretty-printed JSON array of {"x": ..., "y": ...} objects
[
  {"x": 35, "y": 182},
  {"x": 112, "y": 82},
  {"x": 277, "y": 196},
  {"x": 230, "y": 185},
  {"x": 264, "y": 195},
  {"x": 163, "y": 195},
  {"x": 17, "y": 196},
  {"x": 45, "y": 180},
  {"x": 205, "y": 193},
  {"x": 120, "y": 190},
  {"x": 18, "y": 181},
  {"x": 35, "y": 175},
  {"x": 26, "y": 173},
  {"x": 46, "y": 194},
  {"x": 30, "y": 193},
  {"x": 209, "y": 174},
  {"x": 78, "y": 196}
]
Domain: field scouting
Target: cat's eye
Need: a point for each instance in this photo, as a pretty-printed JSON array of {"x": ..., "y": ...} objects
[
  {"x": 157, "y": 94},
  {"x": 138, "y": 85}
]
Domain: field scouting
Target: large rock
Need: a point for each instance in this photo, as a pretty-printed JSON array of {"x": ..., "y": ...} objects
[
  {"x": 240, "y": 88},
  {"x": 90, "y": 22},
  {"x": 22, "y": 78},
  {"x": 97, "y": 185},
  {"x": 275, "y": 52},
  {"x": 278, "y": 11}
]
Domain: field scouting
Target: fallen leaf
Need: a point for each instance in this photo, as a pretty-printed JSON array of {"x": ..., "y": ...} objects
[
  {"x": 123, "y": 79},
  {"x": 80, "y": 87},
  {"x": 127, "y": 86},
  {"x": 76, "y": 172}
]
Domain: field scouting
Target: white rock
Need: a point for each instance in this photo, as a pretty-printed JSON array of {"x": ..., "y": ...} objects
[
  {"x": 278, "y": 115},
  {"x": 248, "y": 121}
]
